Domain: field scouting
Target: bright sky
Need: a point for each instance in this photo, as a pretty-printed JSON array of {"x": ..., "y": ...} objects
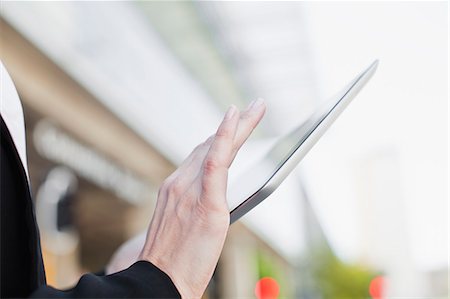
[{"x": 403, "y": 112}]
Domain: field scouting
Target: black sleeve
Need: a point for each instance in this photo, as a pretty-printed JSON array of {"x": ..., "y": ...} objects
[{"x": 141, "y": 280}]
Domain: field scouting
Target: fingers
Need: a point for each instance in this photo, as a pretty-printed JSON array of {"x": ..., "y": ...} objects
[
  {"x": 219, "y": 157},
  {"x": 184, "y": 175},
  {"x": 249, "y": 119},
  {"x": 186, "y": 162},
  {"x": 216, "y": 153},
  {"x": 178, "y": 182}
]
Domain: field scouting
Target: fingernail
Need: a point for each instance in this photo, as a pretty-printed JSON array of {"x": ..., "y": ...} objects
[
  {"x": 230, "y": 113},
  {"x": 255, "y": 104}
]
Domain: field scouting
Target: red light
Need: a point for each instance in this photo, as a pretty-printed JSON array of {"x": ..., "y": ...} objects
[
  {"x": 376, "y": 287},
  {"x": 267, "y": 288}
]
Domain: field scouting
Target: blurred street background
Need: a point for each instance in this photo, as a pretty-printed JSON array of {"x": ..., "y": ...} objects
[{"x": 116, "y": 94}]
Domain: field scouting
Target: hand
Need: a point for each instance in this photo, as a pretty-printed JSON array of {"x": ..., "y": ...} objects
[{"x": 191, "y": 218}]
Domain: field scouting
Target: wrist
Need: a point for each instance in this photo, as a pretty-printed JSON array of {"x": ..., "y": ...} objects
[{"x": 167, "y": 270}]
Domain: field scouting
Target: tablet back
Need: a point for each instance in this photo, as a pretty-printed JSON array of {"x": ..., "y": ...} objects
[{"x": 258, "y": 182}]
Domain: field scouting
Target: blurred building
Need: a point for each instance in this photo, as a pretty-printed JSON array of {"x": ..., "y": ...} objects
[
  {"x": 116, "y": 94},
  {"x": 109, "y": 95}
]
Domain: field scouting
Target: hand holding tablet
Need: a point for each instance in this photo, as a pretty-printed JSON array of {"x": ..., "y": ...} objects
[{"x": 194, "y": 210}]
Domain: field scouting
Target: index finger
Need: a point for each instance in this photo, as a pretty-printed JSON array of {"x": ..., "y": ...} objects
[
  {"x": 248, "y": 121},
  {"x": 219, "y": 157}
]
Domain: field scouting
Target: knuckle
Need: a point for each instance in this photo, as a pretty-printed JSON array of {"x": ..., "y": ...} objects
[
  {"x": 246, "y": 116},
  {"x": 163, "y": 188},
  {"x": 205, "y": 187},
  {"x": 223, "y": 132},
  {"x": 195, "y": 150},
  {"x": 182, "y": 210},
  {"x": 175, "y": 188},
  {"x": 199, "y": 147},
  {"x": 209, "y": 140},
  {"x": 209, "y": 166}
]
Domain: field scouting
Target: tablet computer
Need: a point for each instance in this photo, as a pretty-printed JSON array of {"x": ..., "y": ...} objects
[{"x": 254, "y": 185}]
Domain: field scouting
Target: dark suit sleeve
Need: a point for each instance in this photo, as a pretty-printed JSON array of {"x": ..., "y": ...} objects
[{"x": 141, "y": 280}]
